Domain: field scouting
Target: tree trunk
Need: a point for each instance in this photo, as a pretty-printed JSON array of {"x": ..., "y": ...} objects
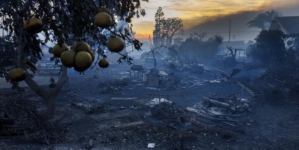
[
  {"x": 48, "y": 96},
  {"x": 51, "y": 102}
]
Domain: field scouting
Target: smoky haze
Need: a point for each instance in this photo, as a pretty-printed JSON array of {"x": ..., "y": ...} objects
[
  {"x": 220, "y": 26},
  {"x": 239, "y": 29}
]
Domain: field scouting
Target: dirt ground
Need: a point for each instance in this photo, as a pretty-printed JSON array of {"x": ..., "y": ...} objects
[{"x": 126, "y": 125}]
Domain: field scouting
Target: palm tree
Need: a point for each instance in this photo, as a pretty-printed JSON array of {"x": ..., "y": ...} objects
[{"x": 263, "y": 19}]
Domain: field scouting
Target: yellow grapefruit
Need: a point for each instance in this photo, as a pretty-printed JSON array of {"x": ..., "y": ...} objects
[
  {"x": 103, "y": 20},
  {"x": 58, "y": 49},
  {"x": 115, "y": 45},
  {"x": 17, "y": 74},
  {"x": 103, "y": 63},
  {"x": 68, "y": 58}
]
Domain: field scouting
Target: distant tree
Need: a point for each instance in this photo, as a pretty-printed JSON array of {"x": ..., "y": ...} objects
[
  {"x": 163, "y": 32},
  {"x": 165, "y": 29},
  {"x": 187, "y": 50},
  {"x": 157, "y": 33},
  {"x": 213, "y": 44},
  {"x": 171, "y": 26},
  {"x": 270, "y": 48},
  {"x": 197, "y": 48},
  {"x": 263, "y": 20},
  {"x": 230, "y": 57}
]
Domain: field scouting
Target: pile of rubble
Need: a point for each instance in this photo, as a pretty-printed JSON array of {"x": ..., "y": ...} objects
[
  {"x": 228, "y": 104},
  {"x": 198, "y": 117}
]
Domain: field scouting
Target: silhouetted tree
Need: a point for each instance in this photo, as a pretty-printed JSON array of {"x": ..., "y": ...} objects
[
  {"x": 197, "y": 48},
  {"x": 263, "y": 20},
  {"x": 157, "y": 33},
  {"x": 230, "y": 57},
  {"x": 270, "y": 48},
  {"x": 171, "y": 26},
  {"x": 165, "y": 29}
]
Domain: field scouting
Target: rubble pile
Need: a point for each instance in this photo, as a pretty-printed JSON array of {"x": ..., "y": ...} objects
[
  {"x": 279, "y": 85},
  {"x": 230, "y": 104},
  {"x": 191, "y": 117},
  {"x": 171, "y": 115}
]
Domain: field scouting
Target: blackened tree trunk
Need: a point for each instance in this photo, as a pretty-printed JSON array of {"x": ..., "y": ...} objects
[{"x": 48, "y": 96}]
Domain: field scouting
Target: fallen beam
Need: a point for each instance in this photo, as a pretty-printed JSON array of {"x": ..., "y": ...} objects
[
  {"x": 209, "y": 101},
  {"x": 250, "y": 89},
  {"x": 123, "y": 98}
]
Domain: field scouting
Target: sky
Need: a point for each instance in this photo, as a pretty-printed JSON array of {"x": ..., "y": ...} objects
[{"x": 212, "y": 16}]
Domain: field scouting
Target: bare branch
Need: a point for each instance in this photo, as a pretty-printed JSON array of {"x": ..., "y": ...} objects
[{"x": 61, "y": 81}]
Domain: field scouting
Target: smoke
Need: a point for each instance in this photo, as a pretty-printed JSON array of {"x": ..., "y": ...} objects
[
  {"x": 213, "y": 17},
  {"x": 239, "y": 30},
  {"x": 220, "y": 25}
]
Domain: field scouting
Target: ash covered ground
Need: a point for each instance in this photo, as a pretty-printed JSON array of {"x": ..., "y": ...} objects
[{"x": 107, "y": 110}]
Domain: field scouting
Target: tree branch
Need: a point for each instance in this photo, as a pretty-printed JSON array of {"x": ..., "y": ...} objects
[
  {"x": 61, "y": 81},
  {"x": 30, "y": 82},
  {"x": 35, "y": 87}
]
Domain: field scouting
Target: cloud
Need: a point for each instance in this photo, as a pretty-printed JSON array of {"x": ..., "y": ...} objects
[
  {"x": 191, "y": 8},
  {"x": 212, "y": 16},
  {"x": 239, "y": 29}
]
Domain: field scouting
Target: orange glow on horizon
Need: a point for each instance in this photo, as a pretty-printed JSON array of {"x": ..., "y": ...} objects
[
  {"x": 142, "y": 36},
  {"x": 194, "y": 13}
]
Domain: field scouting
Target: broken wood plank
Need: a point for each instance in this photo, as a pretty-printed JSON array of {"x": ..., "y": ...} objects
[
  {"x": 123, "y": 98},
  {"x": 215, "y": 102},
  {"x": 198, "y": 112},
  {"x": 166, "y": 94},
  {"x": 212, "y": 122},
  {"x": 212, "y": 118},
  {"x": 250, "y": 89},
  {"x": 198, "y": 84}
]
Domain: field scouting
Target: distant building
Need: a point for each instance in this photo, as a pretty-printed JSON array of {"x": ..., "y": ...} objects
[
  {"x": 234, "y": 44},
  {"x": 289, "y": 25}
]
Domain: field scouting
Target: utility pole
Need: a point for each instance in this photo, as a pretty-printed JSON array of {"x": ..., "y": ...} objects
[
  {"x": 229, "y": 30},
  {"x": 159, "y": 30}
]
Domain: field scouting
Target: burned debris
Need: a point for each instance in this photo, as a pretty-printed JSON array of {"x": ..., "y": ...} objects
[
  {"x": 201, "y": 114},
  {"x": 176, "y": 92},
  {"x": 19, "y": 117},
  {"x": 231, "y": 104}
]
